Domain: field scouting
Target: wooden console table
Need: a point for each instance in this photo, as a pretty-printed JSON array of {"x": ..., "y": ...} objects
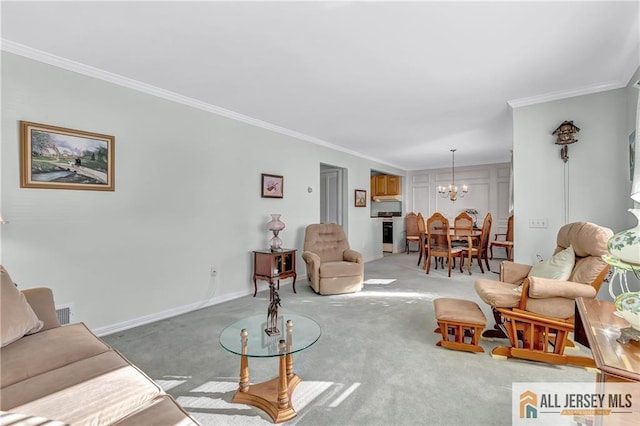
[
  {"x": 597, "y": 327},
  {"x": 272, "y": 266}
]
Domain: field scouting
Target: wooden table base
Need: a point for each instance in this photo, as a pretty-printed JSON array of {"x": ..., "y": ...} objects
[{"x": 273, "y": 396}]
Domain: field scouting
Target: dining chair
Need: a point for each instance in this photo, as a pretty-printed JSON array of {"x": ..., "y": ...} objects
[
  {"x": 506, "y": 243},
  {"x": 439, "y": 242},
  {"x": 481, "y": 249},
  {"x": 422, "y": 231},
  {"x": 411, "y": 234},
  {"x": 462, "y": 223}
]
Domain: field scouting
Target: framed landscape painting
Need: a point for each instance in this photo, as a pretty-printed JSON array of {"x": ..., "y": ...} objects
[
  {"x": 361, "y": 198},
  {"x": 272, "y": 186},
  {"x": 58, "y": 158}
]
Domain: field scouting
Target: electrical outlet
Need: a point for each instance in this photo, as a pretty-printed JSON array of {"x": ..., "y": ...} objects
[
  {"x": 213, "y": 271},
  {"x": 537, "y": 223}
]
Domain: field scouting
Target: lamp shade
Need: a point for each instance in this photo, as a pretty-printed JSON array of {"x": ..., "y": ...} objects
[{"x": 275, "y": 224}]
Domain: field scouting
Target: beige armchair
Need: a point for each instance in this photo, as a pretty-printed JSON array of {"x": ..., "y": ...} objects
[
  {"x": 536, "y": 312},
  {"x": 332, "y": 267}
]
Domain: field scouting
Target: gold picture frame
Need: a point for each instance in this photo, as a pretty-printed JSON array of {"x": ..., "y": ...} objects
[{"x": 59, "y": 158}]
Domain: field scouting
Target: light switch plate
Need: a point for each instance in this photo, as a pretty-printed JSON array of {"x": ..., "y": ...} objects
[{"x": 537, "y": 223}]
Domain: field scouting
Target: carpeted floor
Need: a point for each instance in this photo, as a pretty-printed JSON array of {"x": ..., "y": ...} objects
[{"x": 376, "y": 362}]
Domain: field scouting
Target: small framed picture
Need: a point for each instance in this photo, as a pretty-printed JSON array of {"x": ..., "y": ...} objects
[
  {"x": 272, "y": 186},
  {"x": 361, "y": 198},
  {"x": 58, "y": 158}
]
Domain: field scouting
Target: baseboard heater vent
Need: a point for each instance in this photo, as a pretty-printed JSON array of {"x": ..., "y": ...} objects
[{"x": 65, "y": 313}]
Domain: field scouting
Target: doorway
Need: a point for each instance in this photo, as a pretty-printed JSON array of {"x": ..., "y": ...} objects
[{"x": 332, "y": 181}]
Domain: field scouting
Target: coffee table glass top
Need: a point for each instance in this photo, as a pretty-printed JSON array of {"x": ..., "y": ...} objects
[{"x": 305, "y": 332}]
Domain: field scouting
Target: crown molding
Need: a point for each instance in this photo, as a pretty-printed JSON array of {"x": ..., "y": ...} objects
[
  {"x": 564, "y": 94},
  {"x": 87, "y": 70}
]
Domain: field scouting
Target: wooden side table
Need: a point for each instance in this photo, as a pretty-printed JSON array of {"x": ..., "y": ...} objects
[
  {"x": 597, "y": 327},
  {"x": 272, "y": 266}
]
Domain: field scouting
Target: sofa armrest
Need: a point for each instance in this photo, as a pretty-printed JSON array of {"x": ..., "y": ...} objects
[
  {"x": 41, "y": 301},
  {"x": 544, "y": 288},
  {"x": 352, "y": 256},
  {"x": 514, "y": 273}
]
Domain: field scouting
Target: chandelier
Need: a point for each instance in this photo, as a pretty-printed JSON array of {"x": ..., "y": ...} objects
[{"x": 451, "y": 192}]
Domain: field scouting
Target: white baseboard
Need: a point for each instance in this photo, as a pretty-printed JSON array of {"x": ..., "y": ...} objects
[{"x": 179, "y": 310}]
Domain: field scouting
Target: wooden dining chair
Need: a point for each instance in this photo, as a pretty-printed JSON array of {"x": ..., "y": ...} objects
[
  {"x": 481, "y": 249},
  {"x": 439, "y": 242},
  {"x": 506, "y": 242},
  {"x": 422, "y": 230},
  {"x": 411, "y": 234},
  {"x": 462, "y": 223}
]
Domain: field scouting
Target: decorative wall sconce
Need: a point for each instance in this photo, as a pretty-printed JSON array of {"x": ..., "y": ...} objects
[{"x": 565, "y": 134}]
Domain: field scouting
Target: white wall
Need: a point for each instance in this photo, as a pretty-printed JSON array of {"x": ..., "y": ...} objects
[
  {"x": 597, "y": 170},
  {"x": 488, "y": 192},
  {"x": 187, "y": 197},
  {"x": 187, "y": 194}
]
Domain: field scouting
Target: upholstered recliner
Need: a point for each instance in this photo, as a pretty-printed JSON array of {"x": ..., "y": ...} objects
[
  {"x": 332, "y": 267},
  {"x": 535, "y": 312}
]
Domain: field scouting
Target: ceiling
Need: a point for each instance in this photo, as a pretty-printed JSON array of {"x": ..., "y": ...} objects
[{"x": 397, "y": 82}]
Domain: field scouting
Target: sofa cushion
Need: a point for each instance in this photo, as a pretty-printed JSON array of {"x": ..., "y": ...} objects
[
  {"x": 58, "y": 379},
  {"x": 93, "y": 391},
  {"x": 17, "y": 318},
  {"x": 163, "y": 410},
  {"x": 557, "y": 267},
  {"x": 47, "y": 350},
  {"x": 16, "y": 419},
  {"x": 41, "y": 301}
]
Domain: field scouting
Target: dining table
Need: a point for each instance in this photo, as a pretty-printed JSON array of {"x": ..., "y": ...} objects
[{"x": 470, "y": 235}]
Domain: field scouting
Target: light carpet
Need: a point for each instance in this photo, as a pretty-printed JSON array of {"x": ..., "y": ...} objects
[{"x": 376, "y": 362}]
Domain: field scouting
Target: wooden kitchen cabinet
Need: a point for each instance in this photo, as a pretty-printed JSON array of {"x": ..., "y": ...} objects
[
  {"x": 393, "y": 185},
  {"x": 385, "y": 185}
]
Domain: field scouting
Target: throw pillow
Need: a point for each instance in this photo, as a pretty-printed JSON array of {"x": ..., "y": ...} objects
[
  {"x": 557, "y": 267},
  {"x": 17, "y": 319}
]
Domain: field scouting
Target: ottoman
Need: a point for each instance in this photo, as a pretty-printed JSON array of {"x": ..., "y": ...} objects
[{"x": 460, "y": 319}]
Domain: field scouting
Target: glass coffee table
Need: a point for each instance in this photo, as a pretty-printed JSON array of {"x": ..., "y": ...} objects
[{"x": 248, "y": 339}]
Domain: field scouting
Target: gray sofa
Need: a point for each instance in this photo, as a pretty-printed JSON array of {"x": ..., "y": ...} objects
[{"x": 68, "y": 375}]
